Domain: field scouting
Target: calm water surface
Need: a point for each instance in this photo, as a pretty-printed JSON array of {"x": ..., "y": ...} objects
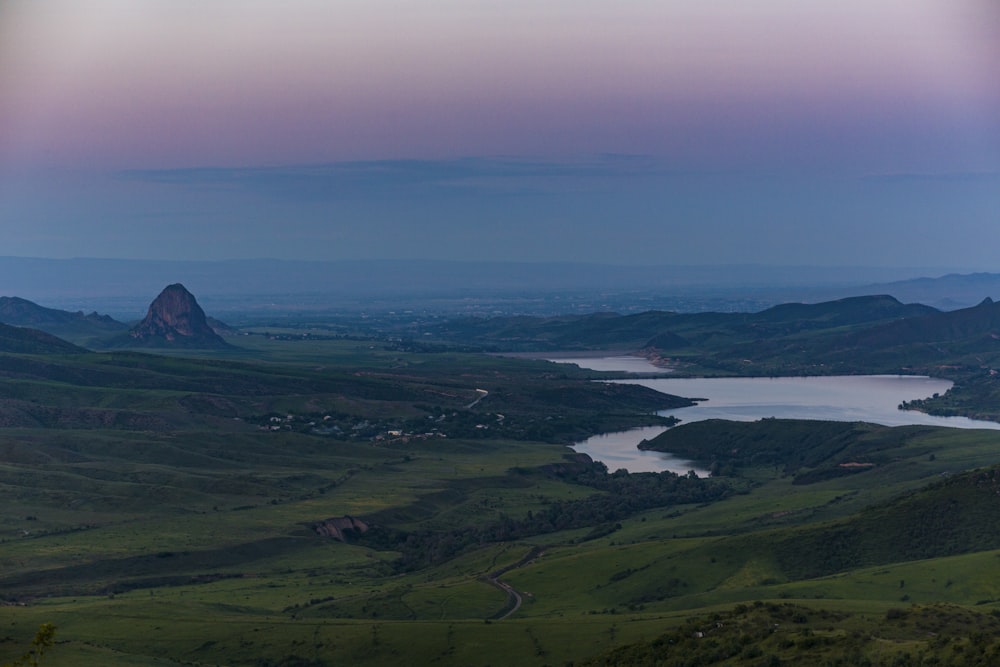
[
  {"x": 622, "y": 363},
  {"x": 869, "y": 398},
  {"x": 618, "y": 450}
]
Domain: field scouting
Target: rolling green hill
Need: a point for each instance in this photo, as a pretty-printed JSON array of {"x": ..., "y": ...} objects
[
  {"x": 824, "y": 448},
  {"x": 958, "y": 515},
  {"x": 177, "y": 509},
  {"x": 788, "y": 634},
  {"x": 19, "y": 340}
]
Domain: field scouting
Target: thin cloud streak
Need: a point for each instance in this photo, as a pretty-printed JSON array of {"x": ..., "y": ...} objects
[{"x": 426, "y": 178}]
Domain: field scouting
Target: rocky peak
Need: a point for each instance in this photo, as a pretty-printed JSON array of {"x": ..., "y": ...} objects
[{"x": 175, "y": 317}]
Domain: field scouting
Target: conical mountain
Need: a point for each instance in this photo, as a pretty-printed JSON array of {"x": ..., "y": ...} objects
[{"x": 175, "y": 318}]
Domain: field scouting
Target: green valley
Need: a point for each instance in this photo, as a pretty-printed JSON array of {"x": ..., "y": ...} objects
[{"x": 305, "y": 499}]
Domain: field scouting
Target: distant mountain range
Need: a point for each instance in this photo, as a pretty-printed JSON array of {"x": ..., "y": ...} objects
[
  {"x": 123, "y": 286},
  {"x": 949, "y": 292},
  {"x": 672, "y": 331}
]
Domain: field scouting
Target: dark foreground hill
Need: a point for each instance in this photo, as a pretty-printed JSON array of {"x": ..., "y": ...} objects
[
  {"x": 959, "y": 515},
  {"x": 19, "y": 340},
  {"x": 825, "y": 449},
  {"x": 762, "y": 634}
]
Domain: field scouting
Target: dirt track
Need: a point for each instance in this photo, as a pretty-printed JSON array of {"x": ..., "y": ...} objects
[{"x": 514, "y": 598}]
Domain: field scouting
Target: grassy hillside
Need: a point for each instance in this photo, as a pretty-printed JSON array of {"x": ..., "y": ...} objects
[
  {"x": 17, "y": 340},
  {"x": 810, "y": 450},
  {"x": 788, "y": 634},
  {"x": 169, "y": 510}
]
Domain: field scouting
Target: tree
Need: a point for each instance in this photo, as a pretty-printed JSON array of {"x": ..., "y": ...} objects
[{"x": 44, "y": 638}]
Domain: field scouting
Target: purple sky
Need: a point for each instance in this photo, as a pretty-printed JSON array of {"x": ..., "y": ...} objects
[{"x": 760, "y": 132}]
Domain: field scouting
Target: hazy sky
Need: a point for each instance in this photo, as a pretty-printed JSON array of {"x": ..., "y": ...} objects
[{"x": 647, "y": 131}]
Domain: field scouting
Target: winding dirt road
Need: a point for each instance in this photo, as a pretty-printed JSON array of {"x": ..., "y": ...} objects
[{"x": 514, "y": 598}]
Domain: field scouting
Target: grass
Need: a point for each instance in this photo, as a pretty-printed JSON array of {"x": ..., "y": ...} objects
[
  {"x": 191, "y": 541},
  {"x": 144, "y": 631}
]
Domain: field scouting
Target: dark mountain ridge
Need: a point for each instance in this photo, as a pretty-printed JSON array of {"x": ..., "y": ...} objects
[
  {"x": 667, "y": 330},
  {"x": 841, "y": 312},
  {"x": 76, "y": 326},
  {"x": 21, "y": 312},
  {"x": 976, "y": 322},
  {"x": 966, "y": 339},
  {"x": 21, "y": 340}
]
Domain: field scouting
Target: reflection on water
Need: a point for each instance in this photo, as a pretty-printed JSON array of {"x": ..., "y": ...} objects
[
  {"x": 625, "y": 363},
  {"x": 868, "y": 398},
  {"x": 618, "y": 450}
]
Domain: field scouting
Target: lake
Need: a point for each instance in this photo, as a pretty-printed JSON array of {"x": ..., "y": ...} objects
[
  {"x": 626, "y": 363},
  {"x": 618, "y": 450},
  {"x": 869, "y": 398}
]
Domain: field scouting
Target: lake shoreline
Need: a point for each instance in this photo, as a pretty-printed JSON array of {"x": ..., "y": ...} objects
[{"x": 864, "y": 398}]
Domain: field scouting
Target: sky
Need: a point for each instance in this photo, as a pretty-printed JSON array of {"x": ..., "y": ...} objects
[{"x": 777, "y": 132}]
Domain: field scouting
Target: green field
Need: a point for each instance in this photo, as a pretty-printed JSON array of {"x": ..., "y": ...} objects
[{"x": 161, "y": 510}]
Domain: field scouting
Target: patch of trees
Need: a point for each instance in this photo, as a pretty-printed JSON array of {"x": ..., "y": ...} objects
[
  {"x": 766, "y": 634},
  {"x": 44, "y": 640},
  {"x": 976, "y": 396},
  {"x": 622, "y": 495},
  {"x": 791, "y": 444}
]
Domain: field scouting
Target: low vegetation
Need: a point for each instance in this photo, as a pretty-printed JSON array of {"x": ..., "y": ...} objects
[
  {"x": 169, "y": 509},
  {"x": 770, "y": 634}
]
